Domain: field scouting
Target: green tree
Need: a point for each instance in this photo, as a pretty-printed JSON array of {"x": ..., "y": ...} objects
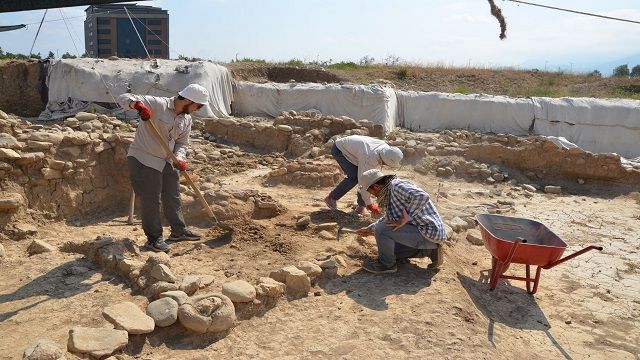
[
  {"x": 51, "y": 55},
  {"x": 635, "y": 71},
  {"x": 621, "y": 71},
  {"x": 68, "y": 56}
]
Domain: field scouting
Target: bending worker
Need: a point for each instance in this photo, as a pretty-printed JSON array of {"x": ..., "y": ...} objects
[
  {"x": 356, "y": 154},
  {"x": 411, "y": 225},
  {"x": 153, "y": 176}
]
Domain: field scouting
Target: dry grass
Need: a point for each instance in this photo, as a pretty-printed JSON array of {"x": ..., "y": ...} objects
[{"x": 505, "y": 81}]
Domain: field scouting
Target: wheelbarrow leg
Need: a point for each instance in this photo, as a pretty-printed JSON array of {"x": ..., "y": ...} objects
[
  {"x": 496, "y": 271},
  {"x": 535, "y": 282},
  {"x": 528, "y": 280}
]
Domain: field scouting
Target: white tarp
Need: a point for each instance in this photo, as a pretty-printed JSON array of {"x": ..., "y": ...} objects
[
  {"x": 359, "y": 102},
  {"x": 73, "y": 83},
  {"x": 596, "y": 125},
  {"x": 422, "y": 111}
]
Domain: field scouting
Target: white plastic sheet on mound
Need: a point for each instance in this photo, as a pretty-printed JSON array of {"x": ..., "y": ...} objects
[
  {"x": 596, "y": 125},
  {"x": 359, "y": 102},
  {"x": 73, "y": 83},
  {"x": 423, "y": 111}
]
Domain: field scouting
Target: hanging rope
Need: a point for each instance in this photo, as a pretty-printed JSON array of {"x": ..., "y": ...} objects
[
  {"x": 38, "y": 32},
  {"x": 136, "y": 29},
  {"x": 69, "y": 31}
]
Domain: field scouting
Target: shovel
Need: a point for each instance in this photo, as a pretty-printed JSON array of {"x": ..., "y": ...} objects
[{"x": 193, "y": 185}]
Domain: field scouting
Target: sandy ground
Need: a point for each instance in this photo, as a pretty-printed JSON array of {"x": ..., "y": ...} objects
[{"x": 587, "y": 308}]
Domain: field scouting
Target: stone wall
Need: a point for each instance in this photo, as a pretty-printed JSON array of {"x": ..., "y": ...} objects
[
  {"x": 60, "y": 171},
  {"x": 22, "y": 91}
]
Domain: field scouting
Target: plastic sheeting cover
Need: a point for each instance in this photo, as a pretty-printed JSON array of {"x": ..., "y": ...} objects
[
  {"x": 73, "y": 82},
  {"x": 360, "y": 102},
  {"x": 596, "y": 125},
  {"x": 423, "y": 111}
]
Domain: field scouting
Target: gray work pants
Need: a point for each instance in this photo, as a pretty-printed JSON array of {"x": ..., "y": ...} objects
[{"x": 152, "y": 186}]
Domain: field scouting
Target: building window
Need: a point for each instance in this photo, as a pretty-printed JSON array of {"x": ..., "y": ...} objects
[
  {"x": 90, "y": 33},
  {"x": 90, "y": 43},
  {"x": 154, "y": 22},
  {"x": 154, "y": 42},
  {"x": 104, "y": 31},
  {"x": 104, "y": 51},
  {"x": 154, "y": 32},
  {"x": 103, "y": 41},
  {"x": 91, "y": 52},
  {"x": 156, "y": 51},
  {"x": 103, "y": 21},
  {"x": 90, "y": 24}
]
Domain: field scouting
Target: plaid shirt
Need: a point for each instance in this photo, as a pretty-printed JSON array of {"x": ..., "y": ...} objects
[{"x": 404, "y": 195}]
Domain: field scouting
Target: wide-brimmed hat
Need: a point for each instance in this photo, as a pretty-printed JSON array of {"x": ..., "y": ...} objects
[{"x": 369, "y": 178}]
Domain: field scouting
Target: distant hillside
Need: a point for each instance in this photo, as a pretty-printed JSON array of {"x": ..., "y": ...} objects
[{"x": 607, "y": 68}]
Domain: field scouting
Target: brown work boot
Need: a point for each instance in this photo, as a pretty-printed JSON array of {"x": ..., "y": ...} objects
[{"x": 436, "y": 258}]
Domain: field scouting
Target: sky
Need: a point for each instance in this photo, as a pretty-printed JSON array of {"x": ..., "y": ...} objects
[{"x": 427, "y": 32}]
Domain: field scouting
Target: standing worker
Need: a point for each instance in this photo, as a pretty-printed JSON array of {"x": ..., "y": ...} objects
[
  {"x": 356, "y": 154},
  {"x": 153, "y": 176},
  {"x": 411, "y": 226}
]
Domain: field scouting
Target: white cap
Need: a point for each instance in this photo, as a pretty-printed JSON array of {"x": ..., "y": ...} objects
[
  {"x": 369, "y": 178},
  {"x": 195, "y": 93},
  {"x": 391, "y": 156}
]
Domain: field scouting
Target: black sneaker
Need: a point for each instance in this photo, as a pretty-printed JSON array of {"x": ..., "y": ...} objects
[
  {"x": 158, "y": 245},
  {"x": 186, "y": 235},
  {"x": 436, "y": 258},
  {"x": 377, "y": 267}
]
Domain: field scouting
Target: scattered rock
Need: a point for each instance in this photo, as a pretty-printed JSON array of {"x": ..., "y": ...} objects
[
  {"x": 239, "y": 291},
  {"x": 39, "y": 247},
  {"x": 330, "y": 263},
  {"x": 44, "y": 349},
  {"x": 127, "y": 316},
  {"x": 11, "y": 202},
  {"x": 9, "y": 142},
  {"x": 312, "y": 270},
  {"x": 206, "y": 280},
  {"x": 190, "y": 284},
  {"x": 161, "y": 272},
  {"x": 207, "y": 313},
  {"x": 553, "y": 189},
  {"x": 269, "y": 287},
  {"x": 529, "y": 187},
  {"x": 160, "y": 287},
  {"x": 296, "y": 280},
  {"x": 164, "y": 311},
  {"x": 303, "y": 221},
  {"x": 324, "y": 234},
  {"x": 178, "y": 296},
  {"x": 97, "y": 342},
  {"x": 8, "y": 154},
  {"x": 85, "y": 116},
  {"x": 3, "y": 253},
  {"x": 475, "y": 237}
]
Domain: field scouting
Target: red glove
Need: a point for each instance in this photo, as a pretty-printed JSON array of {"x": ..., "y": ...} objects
[
  {"x": 181, "y": 165},
  {"x": 374, "y": 209},
  {"x": 143, "y": 110}
]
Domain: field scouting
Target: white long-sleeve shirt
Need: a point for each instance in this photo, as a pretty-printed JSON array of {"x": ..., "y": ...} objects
[
  {"x": 363, "y": 152},
  {"x": 173, "y": 128}
]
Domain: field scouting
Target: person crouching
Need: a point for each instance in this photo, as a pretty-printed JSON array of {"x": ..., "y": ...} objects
[{"x": 411, "y": 224}]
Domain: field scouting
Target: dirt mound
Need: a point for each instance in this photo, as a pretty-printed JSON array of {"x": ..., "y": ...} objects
[
  {"x": 23, "y": 90},
  {"x": 283, "y": 74}
]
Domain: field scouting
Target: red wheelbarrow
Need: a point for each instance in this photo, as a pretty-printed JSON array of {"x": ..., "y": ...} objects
[{"x": 522, "y": 241}]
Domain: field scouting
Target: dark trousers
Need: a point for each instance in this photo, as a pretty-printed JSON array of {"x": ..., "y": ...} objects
[
  {"x": 152, "y": 186},
  {"x": 348, "y": 183}
]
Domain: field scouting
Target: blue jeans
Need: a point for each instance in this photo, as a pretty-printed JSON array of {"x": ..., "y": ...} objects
[
  {"x": 402, "y": 243},
  {"x": 350, "y": 181}
]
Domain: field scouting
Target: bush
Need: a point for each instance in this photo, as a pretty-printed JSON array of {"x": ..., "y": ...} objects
[
  {"x": 68, "y": 56},
  {"x": 344, "y": 65},
  {"x": 401, "y": 73},
  {"x": 462, "y": 90},
  {"x": 250, "y": 60},
  {"x": 295, "y": 62},
  {"x": 635, "y": 71},
  {"x": 596, "y": 73},
  {"x": 367, "y": 60},
  {"x": 621, "y": 71}
]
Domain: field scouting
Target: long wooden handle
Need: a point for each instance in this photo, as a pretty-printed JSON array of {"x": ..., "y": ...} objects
[{"x": 170, "y": 153}]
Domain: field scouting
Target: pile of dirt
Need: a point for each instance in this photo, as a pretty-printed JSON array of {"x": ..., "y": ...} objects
[{"x": 23, "y": 89}]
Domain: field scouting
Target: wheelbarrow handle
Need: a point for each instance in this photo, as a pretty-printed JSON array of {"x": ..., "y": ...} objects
[{"x": 569, "y": 257}]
